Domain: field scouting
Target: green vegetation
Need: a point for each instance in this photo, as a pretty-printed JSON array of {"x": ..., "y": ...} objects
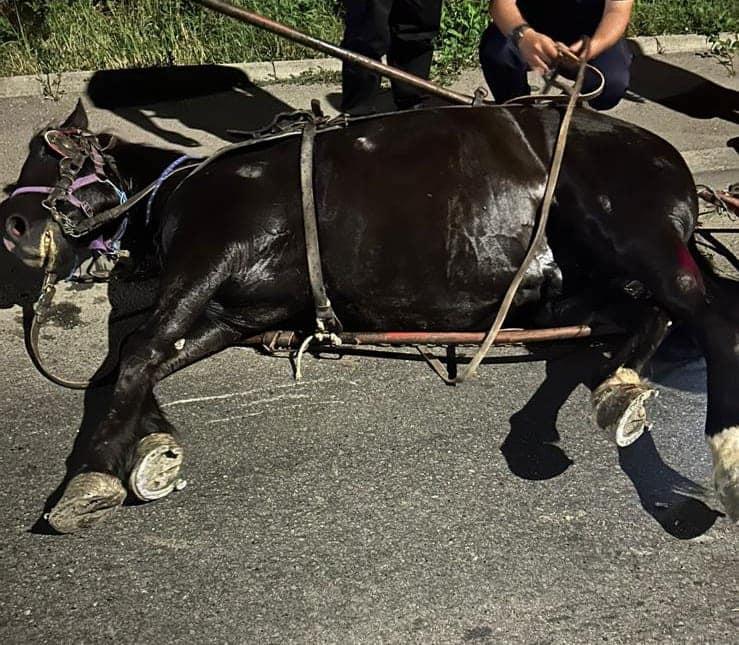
[{"x": 46, "y": 36}]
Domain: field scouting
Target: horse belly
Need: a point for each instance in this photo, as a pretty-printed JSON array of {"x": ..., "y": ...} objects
[{"x": 450, "y": 273}]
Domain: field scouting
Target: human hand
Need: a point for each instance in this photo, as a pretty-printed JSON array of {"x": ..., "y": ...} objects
[
  {"x": 578, "y": 48},
  {"x": 538, "y": 50}
]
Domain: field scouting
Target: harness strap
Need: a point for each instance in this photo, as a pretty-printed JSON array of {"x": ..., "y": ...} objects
[
  {"x": 326, "y": 319},
  {"x": 162, "y": 178},
  {"x": 86, "y": 226}
]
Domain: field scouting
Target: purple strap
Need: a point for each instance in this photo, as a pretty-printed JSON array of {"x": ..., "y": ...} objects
[
  {"x": 31, "y": 189},
  {"x": 113, "y": 245},
  {"x": 81, "y": 182},
  {"x": 78, "y": 183}
]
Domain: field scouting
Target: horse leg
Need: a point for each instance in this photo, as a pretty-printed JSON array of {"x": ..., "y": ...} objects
[
  {"x": 158, "y": 455},
  {"x": 719, "y": 338},
  {"x": 96, "y": 491},
  {"x": 619, "y": 400},
  {"x": 668, "y": 270}
]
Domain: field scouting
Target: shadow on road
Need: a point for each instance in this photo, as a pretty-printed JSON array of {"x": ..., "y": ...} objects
[
  {"x": 211, "y": 98},
  {"x": 532, "y": 453},
  {"x": 681, "y": 90},
  {"x": 669, "y": 497},
  {"x": 531, "y": 449},
  {"x": 19, "y": 284}
]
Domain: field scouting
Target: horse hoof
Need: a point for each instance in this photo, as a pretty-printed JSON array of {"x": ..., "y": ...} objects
[
  {"x": 725, "y": 450},
  {"x": 87, "y": 500},
  {"x": 619, "y": 406},
  {"x": 157, "y": 467}
]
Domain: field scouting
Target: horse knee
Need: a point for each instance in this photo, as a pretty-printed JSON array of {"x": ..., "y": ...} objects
[{"x": 139, "y": 364}]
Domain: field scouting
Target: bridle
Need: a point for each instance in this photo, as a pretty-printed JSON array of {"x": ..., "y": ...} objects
[{"x": 75, "y": 148}]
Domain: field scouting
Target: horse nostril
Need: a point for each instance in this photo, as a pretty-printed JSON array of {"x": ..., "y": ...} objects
[{"x": 16, "y": 227}]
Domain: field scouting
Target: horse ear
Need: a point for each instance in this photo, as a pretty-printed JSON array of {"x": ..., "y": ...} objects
[{"x": 78, "y": 118}]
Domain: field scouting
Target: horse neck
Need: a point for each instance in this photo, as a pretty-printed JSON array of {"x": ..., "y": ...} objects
[{"x": 139, "y": 165}]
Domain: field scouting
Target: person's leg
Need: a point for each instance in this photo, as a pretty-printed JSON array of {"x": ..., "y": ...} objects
[
  {"x": 502, "y": 65},
  {"x": 413, "y": 26},
  {"x": 615, "y": 65},
  {"x": 366, "y": 32}
]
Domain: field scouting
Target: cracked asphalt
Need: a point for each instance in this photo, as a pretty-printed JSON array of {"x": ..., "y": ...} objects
[{"x": 369, "y": 502}]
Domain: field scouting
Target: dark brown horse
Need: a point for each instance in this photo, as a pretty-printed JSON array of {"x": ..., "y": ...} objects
[{"x": 406, "y": 245}]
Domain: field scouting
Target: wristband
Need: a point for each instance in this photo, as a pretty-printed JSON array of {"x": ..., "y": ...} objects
[{"x": 517, "y": 32}]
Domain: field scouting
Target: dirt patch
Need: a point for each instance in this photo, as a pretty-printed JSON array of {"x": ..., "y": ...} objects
[{"x": 65, "y": 315}]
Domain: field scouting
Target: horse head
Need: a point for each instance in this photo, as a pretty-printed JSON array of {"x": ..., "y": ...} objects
[{"x": 67, "y": 177}]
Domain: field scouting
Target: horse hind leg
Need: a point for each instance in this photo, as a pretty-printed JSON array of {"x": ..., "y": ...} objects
[
  {"x": 720, "y": 341},
  {"x": 725, "y": 452},
  {"x": 619, "y": 401},
  {"x": 668, "y": 270}
]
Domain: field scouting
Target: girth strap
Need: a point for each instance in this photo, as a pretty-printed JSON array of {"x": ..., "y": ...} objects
[{"x": 326, "y": 319}]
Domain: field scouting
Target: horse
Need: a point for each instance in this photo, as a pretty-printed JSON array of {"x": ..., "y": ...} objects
[{"x": 424, "y": 217}]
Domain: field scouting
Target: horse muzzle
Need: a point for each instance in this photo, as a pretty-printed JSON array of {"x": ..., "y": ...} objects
[{"x": 38, "y": 247}]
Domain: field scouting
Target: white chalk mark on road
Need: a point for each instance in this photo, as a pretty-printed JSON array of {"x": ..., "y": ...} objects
[
  {"x": 257, "y": 413},
  {"x": 231, "y": 395}
]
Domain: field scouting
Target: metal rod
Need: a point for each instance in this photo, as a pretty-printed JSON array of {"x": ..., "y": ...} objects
[
  {"x": 289, "y": 339},
  {"x": 720, "y": 198},
  {"x": 332, "y": 50}
]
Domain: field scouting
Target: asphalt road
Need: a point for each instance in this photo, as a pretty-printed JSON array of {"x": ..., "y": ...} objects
[{"x": 369, "y": 502}]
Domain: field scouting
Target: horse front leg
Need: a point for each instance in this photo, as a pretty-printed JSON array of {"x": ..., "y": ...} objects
[
  {"x": 158, "y": 455},
  {"x": 122, "y": 444}
]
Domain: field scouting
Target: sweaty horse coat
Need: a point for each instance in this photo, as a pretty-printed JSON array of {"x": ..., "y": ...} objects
[
  {"x": 429, "y": 245},
  {"x": 405, "y": 245}
]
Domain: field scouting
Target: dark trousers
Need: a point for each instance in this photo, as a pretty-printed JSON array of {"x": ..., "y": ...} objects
[
  {"x": 404, "y": 30},
  {"x": 505, "y": 70}
]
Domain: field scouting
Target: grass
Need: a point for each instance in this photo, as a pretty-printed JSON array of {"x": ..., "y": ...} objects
[{"x": 48, "y": 36}]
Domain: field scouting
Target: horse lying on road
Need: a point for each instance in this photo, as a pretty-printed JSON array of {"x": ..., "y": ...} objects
[{"x": 406, "y": 245}]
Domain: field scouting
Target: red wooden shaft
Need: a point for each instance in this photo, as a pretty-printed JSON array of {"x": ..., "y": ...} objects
[{"x": 288, "y": 339}]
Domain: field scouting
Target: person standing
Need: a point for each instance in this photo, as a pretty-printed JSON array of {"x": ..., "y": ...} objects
[
  {"x": 404, "y": 31},
  {"x": 523, "y": 35}
]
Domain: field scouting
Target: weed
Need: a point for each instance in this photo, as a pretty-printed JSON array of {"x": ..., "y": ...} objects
[
  {"x": 51, "y": 85},
  {"x": 724, "y": 50},
  {"x": 317, "y": 75}
]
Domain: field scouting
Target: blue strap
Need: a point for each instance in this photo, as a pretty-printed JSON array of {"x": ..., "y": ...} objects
[{"x": 165, "y": 173}]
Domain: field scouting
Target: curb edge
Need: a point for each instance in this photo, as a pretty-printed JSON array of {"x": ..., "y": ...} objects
[{"x": 286, "y": 70}]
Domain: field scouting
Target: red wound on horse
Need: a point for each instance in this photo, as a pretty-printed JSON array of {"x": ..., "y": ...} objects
[{"x": 689, "y": 273}]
